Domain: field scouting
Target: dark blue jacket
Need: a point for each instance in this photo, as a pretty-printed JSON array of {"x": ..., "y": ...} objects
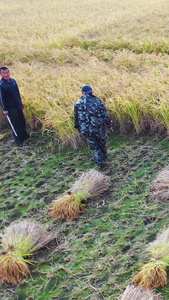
[{"x": 9, "y": 94}]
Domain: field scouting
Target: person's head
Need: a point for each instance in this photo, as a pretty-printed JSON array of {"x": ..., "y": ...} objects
[
  {"x": 5, "y": 73},
  {"x": 87, "y": 90}
]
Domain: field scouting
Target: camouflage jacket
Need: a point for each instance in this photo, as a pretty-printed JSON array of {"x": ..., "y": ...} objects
[{"x": 90, "y": 115}]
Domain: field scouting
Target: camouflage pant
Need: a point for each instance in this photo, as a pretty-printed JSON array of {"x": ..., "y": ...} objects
[{"x": 98, "y": 146}]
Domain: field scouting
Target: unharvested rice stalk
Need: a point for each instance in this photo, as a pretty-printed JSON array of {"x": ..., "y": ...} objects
[
  {"x": 160, "y": 186},
  {"x": 152, "y": 275},
  {"x": 133, "y": 292},
  {"x": 18, "y": 241},
  {"x": 89, "y": 185}
]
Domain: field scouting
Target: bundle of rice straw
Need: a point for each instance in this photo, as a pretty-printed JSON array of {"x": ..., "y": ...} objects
[
  {"x": 153, "y": 274},
  {"x": 159, "y": 248},
  {"x": 18, "y": 241},
  {"x": 133, "y": 292},
  {"x": 160, "y": 186},
  {"x": 89, "y": 185}
]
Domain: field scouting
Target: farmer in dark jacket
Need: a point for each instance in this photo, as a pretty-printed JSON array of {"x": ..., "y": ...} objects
[
  {"x": 90, "y": 118},
  {"x": 12, "y": 106}
]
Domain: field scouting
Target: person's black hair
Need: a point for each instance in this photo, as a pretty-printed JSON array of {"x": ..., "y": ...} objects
[
  {"x": 3, "y": 69},
  {"x": 91, "y": 95}
]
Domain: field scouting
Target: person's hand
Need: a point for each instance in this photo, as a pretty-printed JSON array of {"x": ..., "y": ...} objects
[
  {"x": 22, "y": 105},
  {"x": 77, "y": 127},
  {"x": 5, "y": 112},
  {"x": 110, "y": 125}
]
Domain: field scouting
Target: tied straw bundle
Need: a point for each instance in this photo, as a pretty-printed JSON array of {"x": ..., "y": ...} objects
[
  {"x": 89, "y": 185},
  {"x": 160, "y": 186},
  {"x": 133, "y": 292},
  {"x": 19, "y": 241},
  {"x": 153, "y": 274}
]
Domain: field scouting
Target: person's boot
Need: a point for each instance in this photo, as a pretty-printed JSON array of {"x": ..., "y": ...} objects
[
  {"x": 101, "y": 165},
  {"x": 19, "y": 145}
]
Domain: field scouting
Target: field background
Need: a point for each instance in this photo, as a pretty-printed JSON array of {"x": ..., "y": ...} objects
[{"x": 121, "y": 49}]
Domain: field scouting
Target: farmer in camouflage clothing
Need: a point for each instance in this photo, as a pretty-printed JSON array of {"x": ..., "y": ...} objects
[{"x": 90, "y": 116}]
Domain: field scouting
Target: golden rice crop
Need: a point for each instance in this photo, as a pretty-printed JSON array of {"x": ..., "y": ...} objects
[
  {"x": 121, "y": 52},
  {"x": 129, "y": 99},
  {"x": 133, "y": 292},
  {"x": 89, "y": 185},
  {"x": 19, "y": 241},
  {"x": 128, "y": 24},
  {"x": 152, "y": 275}
]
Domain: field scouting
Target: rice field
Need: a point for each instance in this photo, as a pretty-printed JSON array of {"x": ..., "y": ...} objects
[
  {"x": 95, "y": 256},
  {"x": 120, "y": 48}
]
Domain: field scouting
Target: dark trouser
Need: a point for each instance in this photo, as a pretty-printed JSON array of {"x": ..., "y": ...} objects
[
  {"x": 18, "y": 121},
  {"x": 98, "y": 146}
]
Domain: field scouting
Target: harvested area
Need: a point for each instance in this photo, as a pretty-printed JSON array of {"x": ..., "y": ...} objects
[
  {"x": 120, "y": 48},
  {"x": 96, "y": 255}
]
